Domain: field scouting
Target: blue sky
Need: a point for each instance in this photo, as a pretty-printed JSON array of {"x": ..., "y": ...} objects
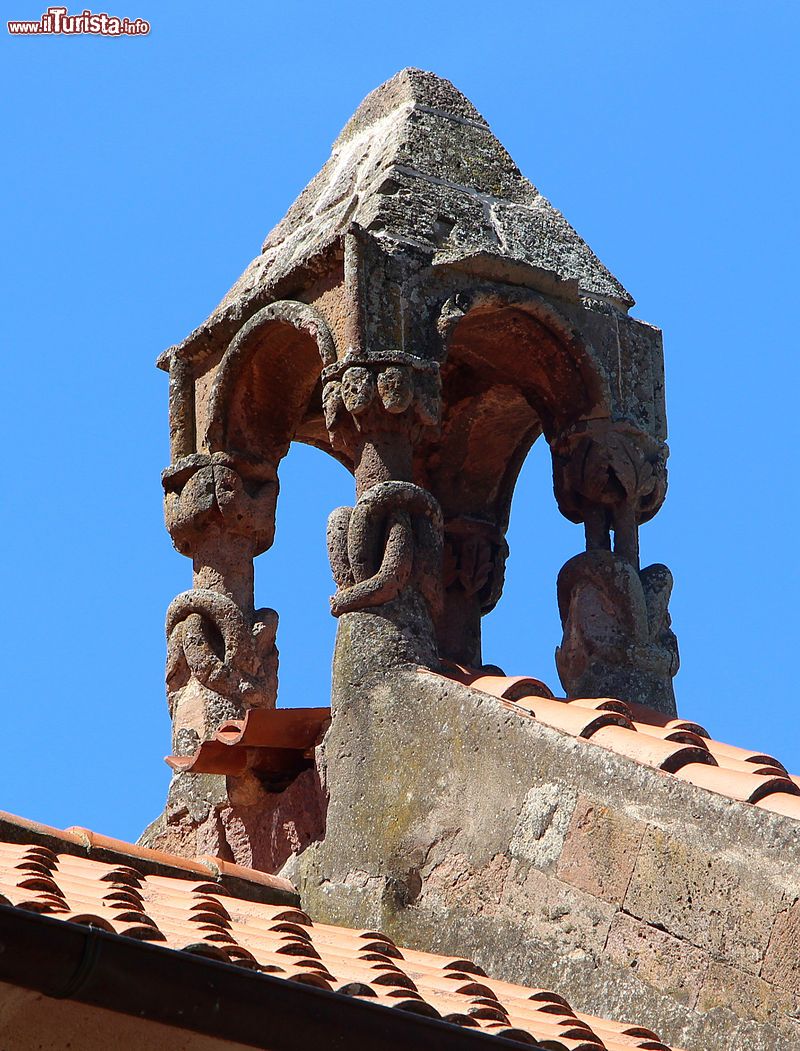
[{"x": 140, "y": 178}]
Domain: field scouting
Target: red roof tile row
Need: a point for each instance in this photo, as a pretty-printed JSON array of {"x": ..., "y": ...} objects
[
  {"x": 195, "y": 915},
  {"x": 676, "y": 746},
  {"x": 81, "y": 842}
]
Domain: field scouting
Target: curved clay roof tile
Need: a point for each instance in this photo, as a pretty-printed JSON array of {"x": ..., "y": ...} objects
[
  {"x": 578, "y": 722},
  {"x": 746, "y": 788},
  {"x": 663, "y": 755}
]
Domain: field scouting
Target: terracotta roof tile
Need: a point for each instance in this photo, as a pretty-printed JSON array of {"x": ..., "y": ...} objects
[
  {"x": 650, "y": 750},
  {"x": 781, "y": 803},
  {"x": 730, "y": 751},
  {"x": 608, "y": 704},
  {"x": 679, "y": 747},
  {"x": 653, "y": 718},
  {"x": 201, "y": 916},
  {"x": 121, "y": 866},
  {"x": 507, "y": 687},
  {"x": 672, "y": 733},
  {"x": 579, "y": 722},
  {"x": 276, "y": 741},
  {"x": 747, "y": 788}
]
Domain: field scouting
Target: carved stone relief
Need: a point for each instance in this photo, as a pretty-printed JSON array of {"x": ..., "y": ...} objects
[{"x": 618, "y": 640}]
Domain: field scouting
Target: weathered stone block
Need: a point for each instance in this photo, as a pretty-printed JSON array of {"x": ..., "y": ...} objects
[
  {"x": 566, "y": 920},
  {"x": 717, "y": 902},
  {"x": 641, "y": 374},
  {"x": 473, "y": 159},
  {"x": 782, "y": 959},
  {"x": 540, "y": 832},
  {"x": 672, "y": 966},
  {"x": 600, "y": 850},
  {"x": 456, "y": 883},
  {"x": 748, "y": 997}
]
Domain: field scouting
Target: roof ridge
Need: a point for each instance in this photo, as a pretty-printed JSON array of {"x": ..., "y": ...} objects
[{"x": 675, "y": 746}]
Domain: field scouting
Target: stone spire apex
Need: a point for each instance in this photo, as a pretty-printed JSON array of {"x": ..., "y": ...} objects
[{"x": 418, "y": 166}]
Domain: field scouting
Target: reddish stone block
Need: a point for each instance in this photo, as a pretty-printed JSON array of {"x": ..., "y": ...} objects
[
  {"x": 600, "y": 850},
  {"x": 671, "y": 965},
  {"x": 782, "y": 958}
]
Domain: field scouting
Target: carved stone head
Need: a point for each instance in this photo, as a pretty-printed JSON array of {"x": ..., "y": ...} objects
[
  {"x": 396, "y": 389},
  {"x": 331, "y": 403},
  {"x": 358, "y": 389}
]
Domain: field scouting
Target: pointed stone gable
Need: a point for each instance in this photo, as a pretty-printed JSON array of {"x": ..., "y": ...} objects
[{"x": 419, "y": 166}]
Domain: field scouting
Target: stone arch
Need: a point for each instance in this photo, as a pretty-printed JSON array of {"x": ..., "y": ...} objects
[
  {"x": 515, "y": 368},
  {"x": 266, "y": 379},
  {"x": 220, "y": 505}
]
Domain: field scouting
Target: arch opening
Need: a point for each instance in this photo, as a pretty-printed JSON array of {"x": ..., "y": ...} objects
[
  {"x": 295, "y": 575},
  {"x": 521, "y": 633},
  {"x": 510, "y": 376},
  {"x": 265, "y": 381}
]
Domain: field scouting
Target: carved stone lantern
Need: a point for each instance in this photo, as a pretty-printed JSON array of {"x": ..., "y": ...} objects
[{"x": 423, "y": 314}]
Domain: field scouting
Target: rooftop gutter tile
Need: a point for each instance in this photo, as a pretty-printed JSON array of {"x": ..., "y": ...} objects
[{"x": 275, "y": 741}]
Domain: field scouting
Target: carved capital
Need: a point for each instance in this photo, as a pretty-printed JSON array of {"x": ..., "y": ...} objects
[
  {"x": 607, "y": 464},
  {"x": 611, "y": 476},
  {"x": 618, "y": 640},
  {"x": 388, "y": 393},
  {"x": 474, "y": 561},
  {"x": 391, "y": 540},
  {"x": 205, "y": 495}
]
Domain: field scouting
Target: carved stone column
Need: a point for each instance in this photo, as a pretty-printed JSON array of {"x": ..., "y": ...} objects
[
  {"x": 235, "y": 409},
  {"x": 617, "y": 635},
  {"x": 475, "y": 554},
  {"x": 221, "y": 655},
  {"x": 385, "y": 552}
]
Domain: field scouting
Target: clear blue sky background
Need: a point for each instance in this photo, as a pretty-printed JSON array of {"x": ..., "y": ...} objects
[{"x": 140, "y": 176}]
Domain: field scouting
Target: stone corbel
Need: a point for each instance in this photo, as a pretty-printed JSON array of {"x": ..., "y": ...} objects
[
  {"x": 473, "y": 573},
  {"x": 475, "y": 554},
  {"x": 612, "y": 477},
  {"x": 380, "y": 404}
]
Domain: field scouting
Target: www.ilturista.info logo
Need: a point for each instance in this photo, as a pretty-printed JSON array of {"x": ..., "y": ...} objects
[{"x": 55, "y": 21}]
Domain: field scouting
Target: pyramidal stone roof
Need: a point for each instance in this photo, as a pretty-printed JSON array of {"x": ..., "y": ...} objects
[{"x": 418, "y": 166}]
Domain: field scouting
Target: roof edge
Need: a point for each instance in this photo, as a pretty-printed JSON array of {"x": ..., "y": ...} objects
[
  {"x": 91, "y": 966},
  {"x": 238, "y": 881}
]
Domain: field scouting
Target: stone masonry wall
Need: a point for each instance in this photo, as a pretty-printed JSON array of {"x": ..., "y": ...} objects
[{"x": 459, "y": 827}]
